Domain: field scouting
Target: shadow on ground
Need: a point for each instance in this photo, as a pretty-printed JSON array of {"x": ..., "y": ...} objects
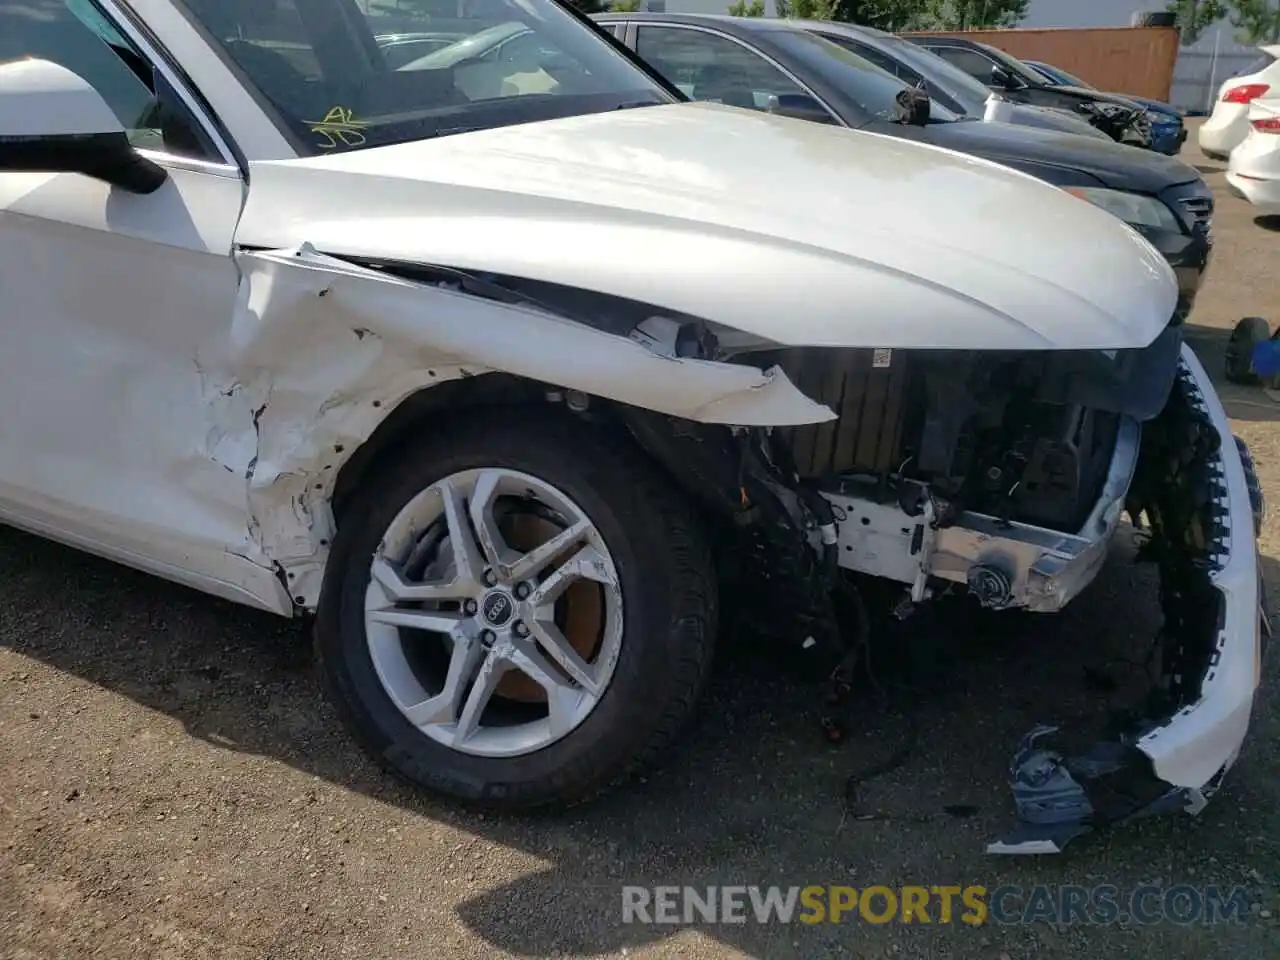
[{"x": 754, "y": 797}]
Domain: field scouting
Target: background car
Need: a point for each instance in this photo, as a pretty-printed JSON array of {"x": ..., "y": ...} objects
[
  {"x": 1120, "y": 117},
  {"x": 1168, "y": 132},
  {"x": 948, "y": 85},
  {"x": 782, "y": 67},
  {"x": 1253, "y": 171},
  {"x": 1228, "y": 124}
]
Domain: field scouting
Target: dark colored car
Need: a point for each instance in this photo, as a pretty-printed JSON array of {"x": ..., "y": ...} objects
[
  {"x": 1168, "y": 132},
  {"x": 778, "y": 66},
  {"x": 1122, "y": 118},
  {"x": 945, "y": 83}
]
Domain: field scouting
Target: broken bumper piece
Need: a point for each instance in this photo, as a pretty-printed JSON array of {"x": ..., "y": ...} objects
[{"x": 1177, "y": 760}]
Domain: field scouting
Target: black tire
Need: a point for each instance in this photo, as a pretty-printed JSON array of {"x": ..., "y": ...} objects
[
  {"x": 669, "y": 612},
  {"x": 1247, "y": 334}
]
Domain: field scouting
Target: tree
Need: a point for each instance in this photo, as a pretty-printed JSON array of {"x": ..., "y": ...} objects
[
  {"x": 806, "y": 9},
  {"x": 891, "y": 15},
  {"x": 1195, "y": 17},
  {"x": 588, "y": 6},
  {"x": 625, "y": 6},
  {"x": 1258, "y": 21},
  {"x": 974, "y": 14},
  {"x": 741, "y": 8}
]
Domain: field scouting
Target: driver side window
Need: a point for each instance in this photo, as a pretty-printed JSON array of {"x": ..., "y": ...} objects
[
  {"x": 76, "y": 35},
  {"x": 706, "y": 66}
]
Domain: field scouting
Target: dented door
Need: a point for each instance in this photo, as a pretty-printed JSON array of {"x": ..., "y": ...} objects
[{"x": 107, "y": 440}]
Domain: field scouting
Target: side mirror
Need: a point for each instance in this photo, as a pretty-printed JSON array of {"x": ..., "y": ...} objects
[
  {"x": 1002, "y": 78},
  {"x": 912, "y": 106},
  {"x": 800, "y": 106},
  {"x": 52, "y": 121}
]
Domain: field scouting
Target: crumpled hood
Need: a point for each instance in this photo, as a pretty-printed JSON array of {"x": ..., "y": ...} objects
[
  {"x": 792, "y": 231},
  {"x": 1114, "y": 165}
]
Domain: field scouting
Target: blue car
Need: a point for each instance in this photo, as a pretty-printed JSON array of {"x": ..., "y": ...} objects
[{"x": 1167, "y": 129}]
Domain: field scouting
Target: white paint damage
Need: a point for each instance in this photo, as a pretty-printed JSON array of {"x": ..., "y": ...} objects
[{"x": 322, "y": 350}]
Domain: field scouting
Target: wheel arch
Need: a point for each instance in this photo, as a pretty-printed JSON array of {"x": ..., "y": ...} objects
[{"x": 418, "y": 411}]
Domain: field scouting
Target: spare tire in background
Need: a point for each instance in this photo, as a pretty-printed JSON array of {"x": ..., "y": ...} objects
[{"x": 1160, "y": 19}]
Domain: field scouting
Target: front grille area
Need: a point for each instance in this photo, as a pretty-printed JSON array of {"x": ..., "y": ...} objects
[
  {"x": 1199, "y": 213},
  {"x": 867, "y": 390}
]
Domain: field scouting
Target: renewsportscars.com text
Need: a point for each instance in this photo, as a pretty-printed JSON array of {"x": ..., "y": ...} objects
[{"x": 970, "y": 905}]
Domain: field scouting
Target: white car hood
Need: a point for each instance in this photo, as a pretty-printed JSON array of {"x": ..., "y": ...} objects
[{"x": 795, "y": 232}]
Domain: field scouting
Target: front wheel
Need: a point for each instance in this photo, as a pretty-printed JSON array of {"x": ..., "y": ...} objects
[{"x": 517, "y": 613}]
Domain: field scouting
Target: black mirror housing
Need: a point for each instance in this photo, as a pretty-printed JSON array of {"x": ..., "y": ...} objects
[
  {"x": 912, "y": 106},
  {"x": 109, "y": 157},
  {"x": 1002, "y": 78}
]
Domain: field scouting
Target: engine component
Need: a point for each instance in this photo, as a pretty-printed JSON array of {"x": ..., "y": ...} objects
[{"x": 990, "y": 586}]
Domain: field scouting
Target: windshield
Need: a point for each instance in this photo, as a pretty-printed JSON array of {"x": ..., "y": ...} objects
[
  {"x": 872, "y": 89},
  {"x": 345, "y": 74}
]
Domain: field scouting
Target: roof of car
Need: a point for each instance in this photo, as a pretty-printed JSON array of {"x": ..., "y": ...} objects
[
  {"x": 943, "y": 40},
  {"x": 848, "y": 29},
  {"x": 723, "y": 20}
]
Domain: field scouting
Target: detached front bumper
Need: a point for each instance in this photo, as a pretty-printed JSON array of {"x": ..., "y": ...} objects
[
  {"x": 1194, "y": 748},
  {"x": 1176, "y": 760}
]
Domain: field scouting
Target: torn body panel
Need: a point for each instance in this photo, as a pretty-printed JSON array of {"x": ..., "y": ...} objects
[
  {"x": 1195, "y": 489},
  {"x": 322, "y": 350}
]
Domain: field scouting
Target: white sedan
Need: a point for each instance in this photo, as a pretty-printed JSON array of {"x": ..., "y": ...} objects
[
  {"x": 1253, "y": 171},
  {"x": 1228, "y": 124},
  {"x": 503, "y": 381}
]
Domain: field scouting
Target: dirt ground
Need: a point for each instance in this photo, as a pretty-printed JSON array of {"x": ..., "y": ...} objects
[{"x": 174, "y": 787}]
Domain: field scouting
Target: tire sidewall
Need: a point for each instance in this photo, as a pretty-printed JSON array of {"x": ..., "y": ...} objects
[{"x": 616, "y": 728}]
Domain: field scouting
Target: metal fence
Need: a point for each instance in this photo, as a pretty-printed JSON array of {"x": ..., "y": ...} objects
[{"x": 1199, "y": 73}]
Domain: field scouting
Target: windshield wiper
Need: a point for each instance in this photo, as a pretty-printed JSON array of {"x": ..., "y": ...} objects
[{"x": 632, "y": 104}]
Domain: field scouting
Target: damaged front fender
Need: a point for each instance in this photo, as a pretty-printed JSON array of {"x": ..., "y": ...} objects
[{"x": 322, "y": 350}]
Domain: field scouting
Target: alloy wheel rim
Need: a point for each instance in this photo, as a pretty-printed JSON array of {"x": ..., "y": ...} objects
[{"x": 476, "y": 626}]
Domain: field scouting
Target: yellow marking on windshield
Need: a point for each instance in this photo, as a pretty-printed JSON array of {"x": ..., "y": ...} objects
[{"x": 339, "y": 128}]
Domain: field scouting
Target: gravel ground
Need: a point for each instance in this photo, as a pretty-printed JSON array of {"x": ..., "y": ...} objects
[{"x": 174, "y": 787}]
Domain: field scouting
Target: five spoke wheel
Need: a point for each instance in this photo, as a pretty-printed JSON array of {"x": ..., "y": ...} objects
[{"x": 477, "y": 579}]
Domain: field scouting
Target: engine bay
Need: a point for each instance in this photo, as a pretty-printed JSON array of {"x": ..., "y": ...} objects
[{"x": 1022, "y": 437}]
